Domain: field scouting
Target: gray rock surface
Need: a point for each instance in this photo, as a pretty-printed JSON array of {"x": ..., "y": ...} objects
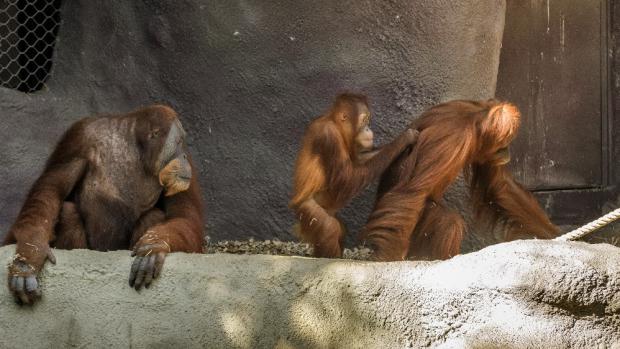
[
  {"x": 525, "y": 294},
  {"x": 247, "y": 76}
]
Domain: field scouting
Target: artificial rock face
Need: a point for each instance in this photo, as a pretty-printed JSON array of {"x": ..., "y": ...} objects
[
  {"x": 246, "y": 76},
  {"x": 525, "y": 294}
]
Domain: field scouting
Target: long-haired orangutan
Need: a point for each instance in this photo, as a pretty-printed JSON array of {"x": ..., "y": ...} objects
[
  {"x": 410, "y": 219},
  {"x": 335, "y": 163},
  {"x": 113, "y": 182}
]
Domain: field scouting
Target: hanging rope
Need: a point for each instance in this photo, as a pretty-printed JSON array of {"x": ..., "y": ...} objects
[{"x": 590, "y": 227}]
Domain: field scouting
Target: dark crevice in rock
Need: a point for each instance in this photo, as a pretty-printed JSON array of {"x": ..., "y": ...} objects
[{"x": 579, "y": 310}]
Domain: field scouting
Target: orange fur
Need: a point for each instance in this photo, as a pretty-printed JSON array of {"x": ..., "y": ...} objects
[
  {"x": 328, "y": 174},
  {"x": 439, "y": 233},
  {"x": 454, "y": 136}
]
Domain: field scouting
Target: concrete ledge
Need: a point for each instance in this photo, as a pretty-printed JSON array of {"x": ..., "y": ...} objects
[{"x": 525, "y": 294}]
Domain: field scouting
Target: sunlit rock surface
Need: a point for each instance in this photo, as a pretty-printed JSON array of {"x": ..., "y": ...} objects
[{"x": 527, "y": 294}]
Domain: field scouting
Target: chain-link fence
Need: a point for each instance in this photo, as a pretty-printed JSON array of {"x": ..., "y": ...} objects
[{"x": 28, "y": 31}]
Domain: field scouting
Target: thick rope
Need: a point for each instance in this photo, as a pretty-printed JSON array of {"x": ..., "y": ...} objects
[{"x": 590, "y": 227}]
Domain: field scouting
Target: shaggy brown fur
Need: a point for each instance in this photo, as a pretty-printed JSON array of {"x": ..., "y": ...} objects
[
  {"x": 454, "y": 136},
  {"x": 335, "y": 163},
  {"x": 113, "y": 182}
]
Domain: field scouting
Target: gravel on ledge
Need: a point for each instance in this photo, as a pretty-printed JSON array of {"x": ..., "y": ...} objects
[{"x": 277, "y": 247}]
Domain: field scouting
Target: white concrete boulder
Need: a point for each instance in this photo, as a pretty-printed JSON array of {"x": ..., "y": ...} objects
[{"x": 527, "y": 294}]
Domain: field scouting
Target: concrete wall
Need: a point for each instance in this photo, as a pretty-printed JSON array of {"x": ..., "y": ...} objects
[{"x": 246, "y": 78}]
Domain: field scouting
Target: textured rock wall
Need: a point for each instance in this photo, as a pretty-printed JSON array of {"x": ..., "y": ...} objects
[
  {"x": 527, "y": 294},
  {"x": 247, "y": 77}
]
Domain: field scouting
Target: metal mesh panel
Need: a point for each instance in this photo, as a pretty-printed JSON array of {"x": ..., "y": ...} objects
[{"x": 28, "y": 31}]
